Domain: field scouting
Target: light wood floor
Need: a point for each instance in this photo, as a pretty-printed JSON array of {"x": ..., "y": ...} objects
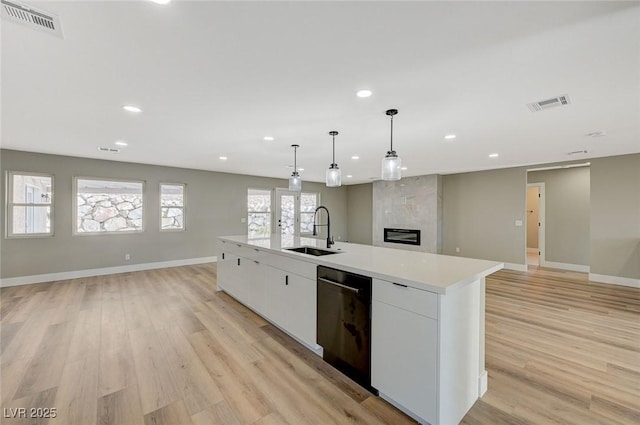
[{"x": 162, "y": 347}]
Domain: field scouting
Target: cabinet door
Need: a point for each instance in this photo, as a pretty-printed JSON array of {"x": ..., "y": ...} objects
[
  {"x": 257, "y": 286},
  {"x": 301, "y": 299},
  {"x": 276, "y": 304},
  {"x": 226, "y": 272},
  {"x": 404, "y": 358}
]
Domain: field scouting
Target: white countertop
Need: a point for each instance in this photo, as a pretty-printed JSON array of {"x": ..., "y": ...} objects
[{"x": 430, "y": 272}]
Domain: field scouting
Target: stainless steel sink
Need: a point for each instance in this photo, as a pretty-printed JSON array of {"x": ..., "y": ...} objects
[{"x": 312, "y": 251}]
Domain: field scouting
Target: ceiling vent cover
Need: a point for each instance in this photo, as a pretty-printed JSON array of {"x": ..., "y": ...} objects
[
  {"x": 33, "y": 18},
  {"x": 549, "y": 103},
  {"x": 110, "y": 150}
]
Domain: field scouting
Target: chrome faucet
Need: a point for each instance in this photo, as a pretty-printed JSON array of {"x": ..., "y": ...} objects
[{"x": 315, "y": 232}]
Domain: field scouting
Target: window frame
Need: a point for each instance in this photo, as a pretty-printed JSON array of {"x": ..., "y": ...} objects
[
  {"x": 300, "y": 212},
  {"x": 74, "y": 194},
  {"x": 183, "y": 207},
  {"x": 271, "y": 212},
  {"x": 9, "y": 206}
]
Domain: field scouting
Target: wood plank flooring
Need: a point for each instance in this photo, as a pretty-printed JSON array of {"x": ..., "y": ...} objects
[{"x": 162, "y": 347}]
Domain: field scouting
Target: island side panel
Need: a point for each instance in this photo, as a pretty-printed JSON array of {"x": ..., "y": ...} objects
[{"x": 460, "y": 351}]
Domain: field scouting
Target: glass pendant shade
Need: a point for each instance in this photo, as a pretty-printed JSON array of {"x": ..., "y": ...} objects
[
  {"x": 334, "y": 176},
  {"x": 295, "y": 182},
  {"x": 391, "y": 164}
]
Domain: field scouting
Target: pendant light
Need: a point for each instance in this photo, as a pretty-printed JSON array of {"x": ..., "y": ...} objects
[
  {"x": 391, "y": 162},
  {"x": 334, "y": 177},
  {"x": 295, "y": 181}
]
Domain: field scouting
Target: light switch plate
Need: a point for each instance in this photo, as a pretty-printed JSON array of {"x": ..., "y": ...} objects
[
  {"x": 518, "y": 223},
  {"x": 243, "y": 220}
]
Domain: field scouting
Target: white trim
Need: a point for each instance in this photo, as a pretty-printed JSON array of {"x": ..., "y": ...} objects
[
  {"x": 483, "y": 383},
  {"x": 49, "y": 277},
  {"x": 517, "y": 267},
  {"x": 615, "y": 280},
  {"x": 532, "y": 251},
  {"x": 565, "y": 266}
]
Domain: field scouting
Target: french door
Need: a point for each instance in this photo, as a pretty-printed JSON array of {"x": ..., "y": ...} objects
[{"x": 287, "y": 213}]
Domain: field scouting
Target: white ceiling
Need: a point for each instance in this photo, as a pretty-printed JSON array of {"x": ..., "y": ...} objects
[{"x": 214, "y": 78}]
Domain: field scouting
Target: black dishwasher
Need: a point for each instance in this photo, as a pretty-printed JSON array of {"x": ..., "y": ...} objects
[{"x": 344, "y": 323}]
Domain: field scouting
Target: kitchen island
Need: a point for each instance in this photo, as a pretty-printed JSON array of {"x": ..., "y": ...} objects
[{"x": 427, "y": 315}]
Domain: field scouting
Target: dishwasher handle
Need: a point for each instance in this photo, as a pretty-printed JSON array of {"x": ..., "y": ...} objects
[{"x": 356, "y": 290}]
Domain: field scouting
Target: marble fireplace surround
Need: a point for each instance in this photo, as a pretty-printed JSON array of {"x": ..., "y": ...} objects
[{"x": 409, "y": 203}]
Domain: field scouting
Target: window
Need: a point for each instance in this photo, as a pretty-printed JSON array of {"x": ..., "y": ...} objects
[
  {"x": 258, "y": 213},
  {"x": 308, "y": 204},
  {"x": 172, "y": 206},
  {"x": 108, "y": 206},
  {"x": 29, "y": 204}
]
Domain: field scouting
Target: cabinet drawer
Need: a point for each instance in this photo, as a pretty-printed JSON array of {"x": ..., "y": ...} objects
[
  {"x": 239, "y": 249},
  {"x": 290, "y": 265},
  {"x": 407, "y": 298}
]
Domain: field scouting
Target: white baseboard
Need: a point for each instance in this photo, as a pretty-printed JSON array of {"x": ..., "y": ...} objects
[
  {"x": 76, "y": 274},
  {"x": 516, "y": 267},
  {"x": 615, "y": 280},
  {"x": 565, "y": 266}
]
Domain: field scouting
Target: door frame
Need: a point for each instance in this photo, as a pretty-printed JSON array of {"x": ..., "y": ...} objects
[
  {"x": 296, "y": 205},
  {"x": 541, "y": 227}
]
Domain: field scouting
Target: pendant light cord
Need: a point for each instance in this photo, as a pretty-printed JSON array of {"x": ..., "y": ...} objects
[
  {"x": 295, "y": 159},
  {"x": 391, "y": 133}
]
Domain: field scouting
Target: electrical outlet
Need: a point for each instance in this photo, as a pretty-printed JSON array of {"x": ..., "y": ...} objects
[
  {"x": 457, "y": 249},
  {"x": 127, "y": 257},
  {"x": 243, "y": 220}
]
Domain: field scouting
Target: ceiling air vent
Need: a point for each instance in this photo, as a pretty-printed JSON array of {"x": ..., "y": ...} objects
[
  {"x": 549, "y": 103},
  {"x": 33, "y": 18},
  {"x": 110, "y": 150}
]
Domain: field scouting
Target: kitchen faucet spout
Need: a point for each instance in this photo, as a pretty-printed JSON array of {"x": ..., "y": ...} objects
[{"x": 315, "y": 226}]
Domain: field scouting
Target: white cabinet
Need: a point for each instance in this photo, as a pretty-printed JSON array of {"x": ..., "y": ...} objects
[
  {"x": 284, "y": 298},
  {"x": 301, "y": 308},
  {"x": 291, "y": 303},
  {"x": 276, "y": 303},
  {"x": 404, "y": 347},
  {"x": 226, "y": 273}
]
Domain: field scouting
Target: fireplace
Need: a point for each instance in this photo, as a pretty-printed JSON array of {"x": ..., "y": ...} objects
[{"x": 403, "y": 236}]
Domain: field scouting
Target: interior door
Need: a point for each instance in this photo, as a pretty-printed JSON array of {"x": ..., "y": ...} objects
[{"x": 287, "y": 217}]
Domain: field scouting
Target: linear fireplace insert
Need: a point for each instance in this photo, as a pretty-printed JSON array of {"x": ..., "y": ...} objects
[{"x": 404, "y": 236}]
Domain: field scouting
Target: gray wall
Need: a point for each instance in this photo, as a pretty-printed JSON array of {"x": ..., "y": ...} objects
[
  {"x": 216, "y": 202},
  {"x": 409, "y": 203},
  {"x": 359, "y": 213},
  {"x": 615, "y": 216},
  {"x": 567, "y": 208},
  {"x": 479, "y": 214}
]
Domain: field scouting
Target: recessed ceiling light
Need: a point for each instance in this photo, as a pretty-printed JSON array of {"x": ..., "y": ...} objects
[
  {"x": 355, "y": 157},
  {"x": 161, "y": 1},
  {"x": 597, "y": 134},
  {"x": 450, "y": 136},
  {"x": 121, "y": 143},
  {"x": 108, "y": 149},
  {"x": 223, "y": 158},
  {"x": 493, "y": 155},
  {"x": 403, "y": 168},
  {"x": 349, "y": 176},
  {"x": 300, "y": 169},
  {"x": 269, "y": 138},
  {"x": 131, "y": 108},
  {"x": 364, "y": 93}
]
